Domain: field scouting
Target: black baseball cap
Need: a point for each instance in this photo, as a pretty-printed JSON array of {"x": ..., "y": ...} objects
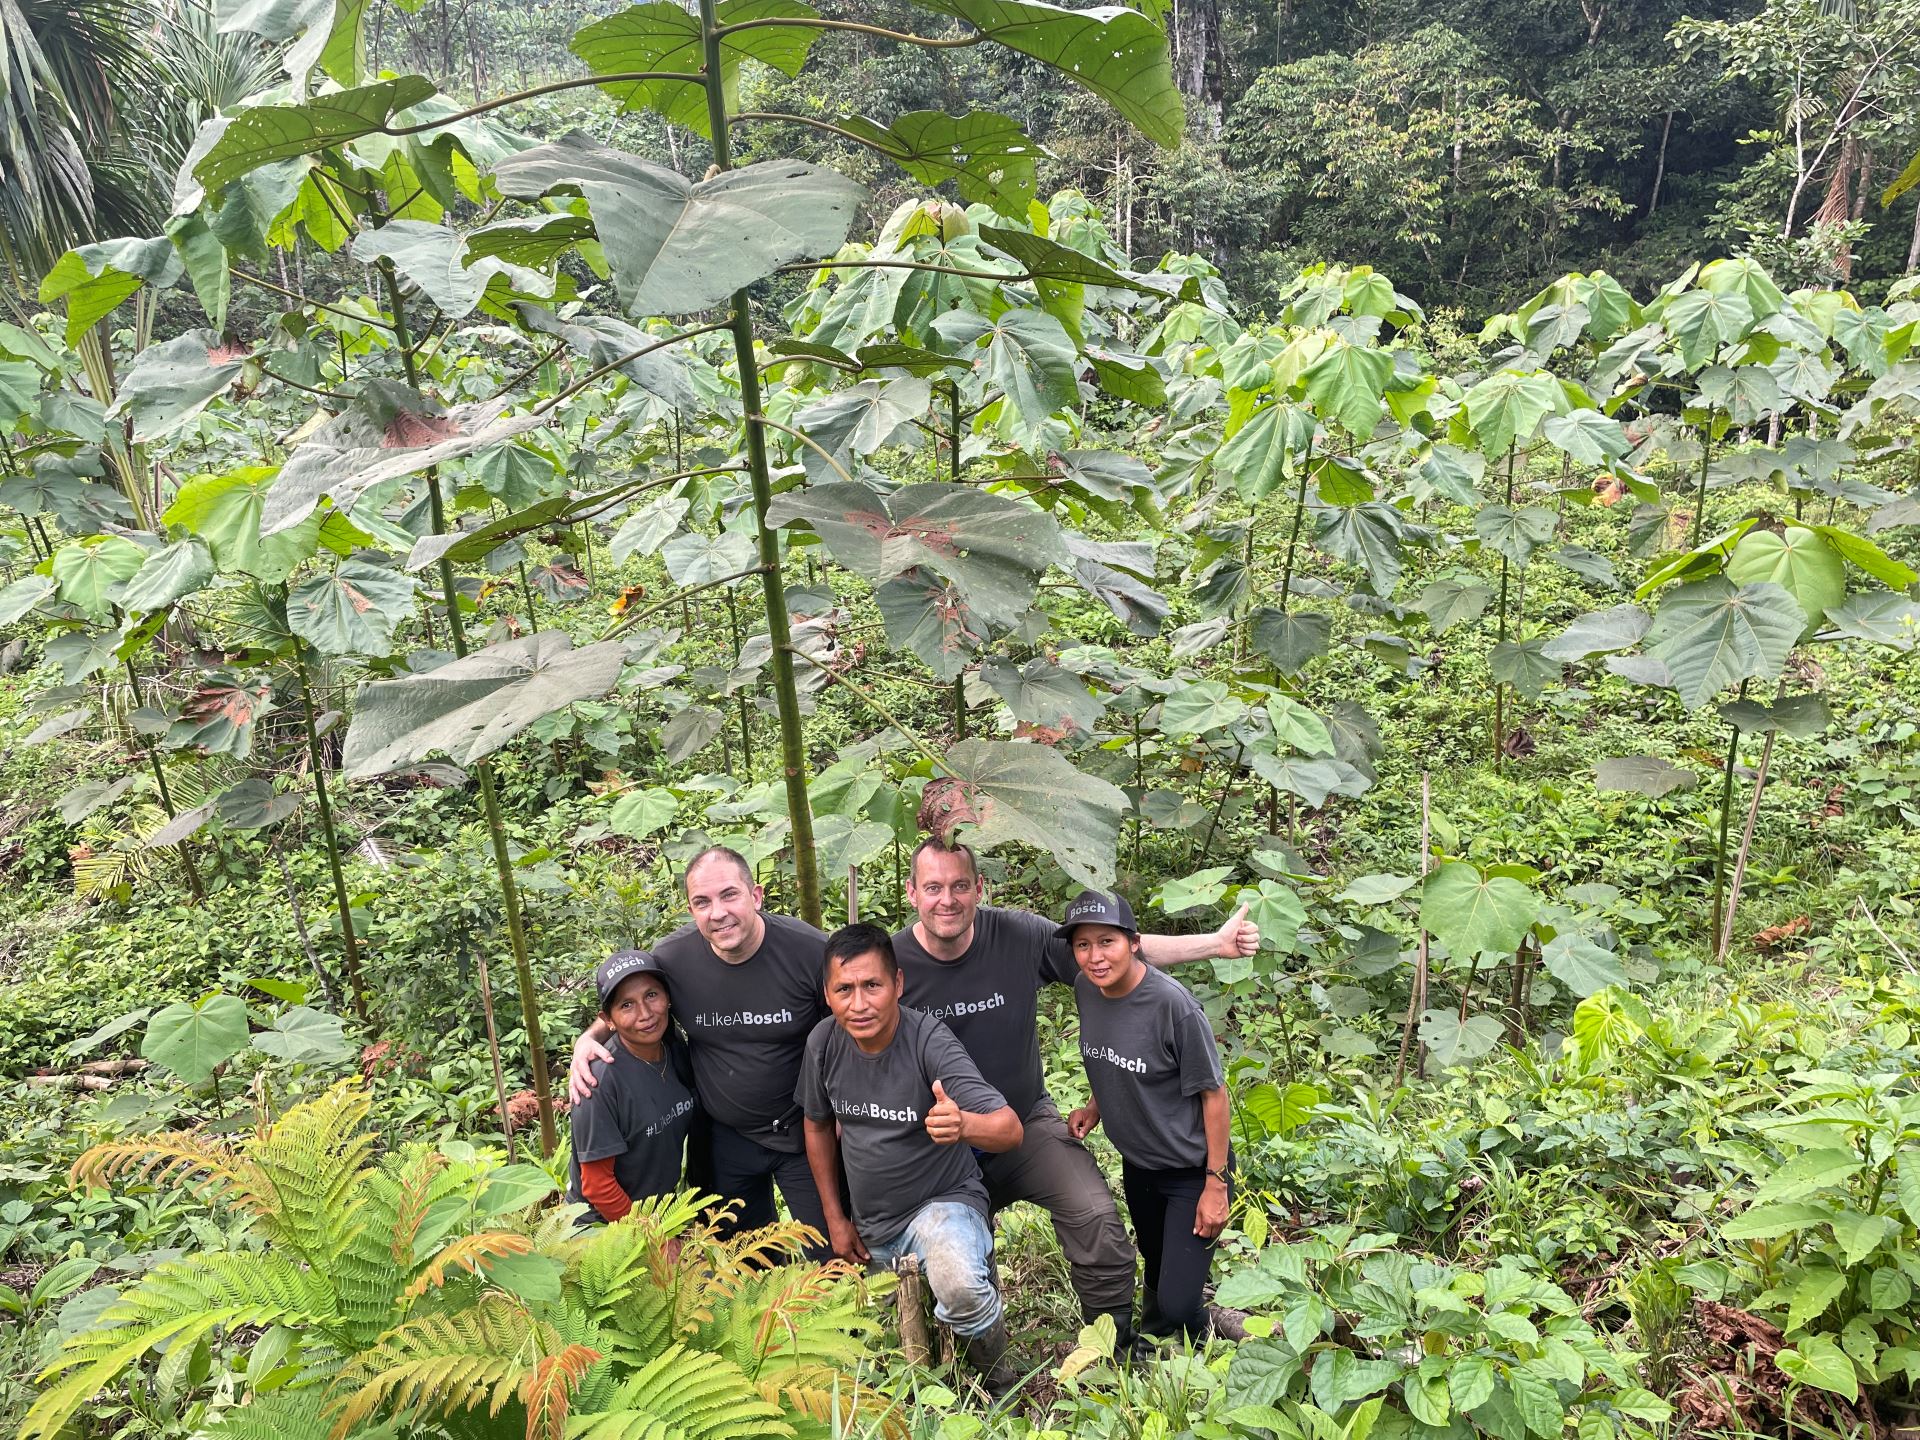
[
  {"x": 1093, "y": 908},
  {"x": 623, "y": 965}
]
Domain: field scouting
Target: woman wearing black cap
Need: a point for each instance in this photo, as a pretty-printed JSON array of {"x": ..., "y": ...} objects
[
  {"x": 1157, "y": 1085},
  {"x": 630, "y": 1134}
]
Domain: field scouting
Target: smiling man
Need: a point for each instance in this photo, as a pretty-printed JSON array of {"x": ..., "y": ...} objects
[
  {"x": 980, "y": 968},
  {"x": 891, "y": 1094},
  {"x": 746, "y": 988}
]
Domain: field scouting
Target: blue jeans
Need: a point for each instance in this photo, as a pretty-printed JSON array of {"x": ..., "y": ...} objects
[{"x": 955, "y": 1246}]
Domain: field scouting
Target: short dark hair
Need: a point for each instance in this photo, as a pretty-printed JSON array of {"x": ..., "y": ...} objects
[
  {"x": 934, "y": 843},
  {"x": 850, "y": 942},
  {"x": 715, "y": 852}
]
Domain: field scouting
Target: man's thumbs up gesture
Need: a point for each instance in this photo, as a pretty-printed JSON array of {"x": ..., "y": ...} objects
[
  {"x": 1238, "y": 938},
  {"x": 943, "y": 1120}
]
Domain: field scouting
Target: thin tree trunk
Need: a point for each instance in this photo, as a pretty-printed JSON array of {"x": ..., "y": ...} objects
[
  {"x": 1913, "y": 250},
  {"x": 1417, "y": 998},
  {"x": 1660, "y": 165},
  {"x": 1746, "y": 847}
]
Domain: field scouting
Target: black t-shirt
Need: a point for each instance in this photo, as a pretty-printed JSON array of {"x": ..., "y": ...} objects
[
  {"x": 893, "y": 1166},
  {"x": 1150, "y": 1056},
  {"x": 748, "y": 1023},
  {"x": 988, "y": 996},
  {"x": 638, "y": 1113}
]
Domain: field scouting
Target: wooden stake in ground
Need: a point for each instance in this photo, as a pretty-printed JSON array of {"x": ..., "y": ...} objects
[
  {"x": 916, "y": 1344},
  {"x": 1417, "y": 999},
  {"x": 1746, "y": 845},
  {"x": 493, "y": 1049}
]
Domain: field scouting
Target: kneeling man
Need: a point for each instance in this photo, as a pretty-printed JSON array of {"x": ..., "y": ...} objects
[{"x": 910, "y": 1110}]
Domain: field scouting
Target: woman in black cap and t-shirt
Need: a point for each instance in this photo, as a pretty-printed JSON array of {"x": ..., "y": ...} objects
[
  {"x": 630, "y": 1134},
  {"x": 1157, "y": 1086}
]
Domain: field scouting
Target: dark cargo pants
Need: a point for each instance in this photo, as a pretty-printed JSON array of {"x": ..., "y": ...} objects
[{"x": 1053, "y": 1170}]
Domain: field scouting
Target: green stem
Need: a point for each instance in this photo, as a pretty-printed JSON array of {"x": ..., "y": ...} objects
[
  {"x": 1220, "y": 805},
  {"x": 1293, "y": 535},
  {"x": 526, "y": 593},
  {"x": 1700, "y": 496},
  {"x": 746, "y": 732},
  {"x": 342, "y": 904},
  {"x": 489, "y": 798},
  {"x": 623, "y": 77},
  {"x": 1500, "y": 691},
  {"x": 793, "y": 750},
  {"x": 959, "y": 707}
]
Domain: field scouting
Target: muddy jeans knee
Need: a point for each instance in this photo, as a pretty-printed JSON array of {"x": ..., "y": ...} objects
[{"x": 955, "y": 1246}]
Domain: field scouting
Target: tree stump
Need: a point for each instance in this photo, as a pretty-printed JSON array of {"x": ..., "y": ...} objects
[{"x": 916, "y": 1343}]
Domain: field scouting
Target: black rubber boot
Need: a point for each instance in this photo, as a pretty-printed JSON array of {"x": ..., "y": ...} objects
[
  {"x": 1122, "y": 1325},
  {"x": 987, "y": 1354}
]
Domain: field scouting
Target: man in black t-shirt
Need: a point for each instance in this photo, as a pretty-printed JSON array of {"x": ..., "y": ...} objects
[
  {"x": 746, "y": 988},
  {"x": 980, "y": 968},
  {"x": 889, "y": 1093}
]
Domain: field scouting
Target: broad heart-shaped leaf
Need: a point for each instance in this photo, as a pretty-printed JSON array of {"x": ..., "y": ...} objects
[
  {"x": 845, "y": 842},
  {"x": 1006, "y": 792},
  {"x": 168, "y": 384},
  {"x": 690, "y": 731},
  {"x": 991, "y": 548},
  {"x": 254, "y": 805},
  {"x": 433, "y": 257},
  {"x": 261, "y": 134},
  {"x": 861, "y": 419},
  {"x": 1582, "y": 966},
  {"x": 1643, "y": 775},
  {"x": 1452, "y": 1041},
  {"x": 1523, "y": 665},
  {"x": 1313, "y": 780},
  {"x": 305, "y": 1036},
  {"x": 1588, "y": 436},
  {"x": 1711, "y": 634},
  {"x": 80, "y": 653},
  {"x": 353, "y": 611},
  {"x": 1296, "y": 726},
  {"x": 697, "y": 559},
  {"x": 639, "y": 813},
  {"x": 1508, "y": 407},
  {"x": 1747, "y": 393},
  {"x": 1515, "y": 534},
  {"x": 603, "y": 340},
  {"x": 1291, "y": 638},
  {"x": 96, "y": 278},
  {"x": 663, "y": 37},
  {"x": 1098, "y": 567},
  {"x": 1119, "y": 54},
  {"x": 1345, "y": 385},
  {"x": 387, "y": 432},
  {"x": 1818, "y": 1360},
  {"x": 470, "y": 707},
  {"x": 1026, "y": 355},
  {"x": 1365, "y": 535},
  {"x": 1475, "y": 914},
  {"x": 646, "y": 528},
  {"x": 1702, "y": 322},
  {"x": 928, "y": 616},
  {"x": 989, "y": 159},
  {"x": 1799, "y": 560},
  {"x": 218, "y": 717},
  {"x": 22, "y": 596},
  {"x": 1879, "y": 619},
  {"x": 1257, "y": 455},
  {"x": 225, "y": 511},
  {"x": 88, "y": 570},
  {"x": 19, "y": 391},
  {"x": 177, "y": 570},
  {"x": 1199, "y": 707},
  {"x": 1042, "y": 693},
  {"x": 193, "y": 1040},
  {"x": 59, "y": 487},
  {"x": 1447, "y": 603},
  {"x": 676, "y": 246}
]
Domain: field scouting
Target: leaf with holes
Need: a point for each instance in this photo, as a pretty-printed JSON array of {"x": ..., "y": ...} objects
[
  {"x": 1475, "y": 914},
  {"x": 559, "y": 583},
  {"x": 194, "y": 1039},
  {"x": 991, "y": 548},
  {"x": 676, "y": 246},
  {"x": 663, "y": 37},
  {"x": 999, "y": 792},
  {"x": 931, "y": 618},
  {"x": 387, "y": 431},
  {"x": 989, "y": 158},
  {"x": 261, "y": 134},
  {"x": 1042, "y": 693},
  {"x": 353, "y": 611},
  {"x": 1118, "y": 54},
  {"x": 169, "y": 384},
  {"x": 1643, "y": 775},
  {"x": 469, "y": 708},
  {"x": 218, "y": 717},
  {"x": 1711, "y": 634}
]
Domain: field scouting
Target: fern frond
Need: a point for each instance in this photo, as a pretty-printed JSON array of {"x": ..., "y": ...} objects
[
  {"x": 466, "y": 1254},
  {"x": 289, "y": 1414},
  {"x": 440, "y": 1364},
  {"x": 316, "y": 1158},
  {"x": 408, "y": 1206},
  {"x": 689, "y": 1395},
  {"x": 178, "y": 1303},
  {"x": 770, "y": 1245},
  {"x": 548, "y": 1390},
  {"x": 186, "y": 1160},
  {"x": 413, "y": 1197},
  {"x": 795, "y": 1315}
]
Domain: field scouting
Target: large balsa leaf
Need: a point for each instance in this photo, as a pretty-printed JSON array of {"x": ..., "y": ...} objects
[
  {"x": 1711, "y": 634},
  {"x": 677, "y": 246},
  {"x": 225, "y": 511},
  {"x": 87, "y": 571},
  {"x": 1119, "y": 54},
  {"x": 179, "y": 569},
  {"x": 470, "y": 707},
  {"x": 435, "y": 258},
  {"x": 659, "y": 36},
  {"x": 261, "y": 134},
  {"x": 170, "y": 383},
  {"x": 1026, "y": 355},
  {"x": 930, "y": 617},
  {"x": 1799, "y": 560},
  {"x": 96, "y": 278},
  {"x": 1005, "y": 792},
  {"x": 353, "y": 611},
  {"x": 989, "y": 158},
  {"x": 387, "y": 432},
  {"x": 991, "y": 548},
  {"x": 1475, "y": 914}
]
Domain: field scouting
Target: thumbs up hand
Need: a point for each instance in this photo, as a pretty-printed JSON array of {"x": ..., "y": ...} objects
[
  {"x": 1238, "y": 939},
  {"x": 943, "y": 1120}
]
